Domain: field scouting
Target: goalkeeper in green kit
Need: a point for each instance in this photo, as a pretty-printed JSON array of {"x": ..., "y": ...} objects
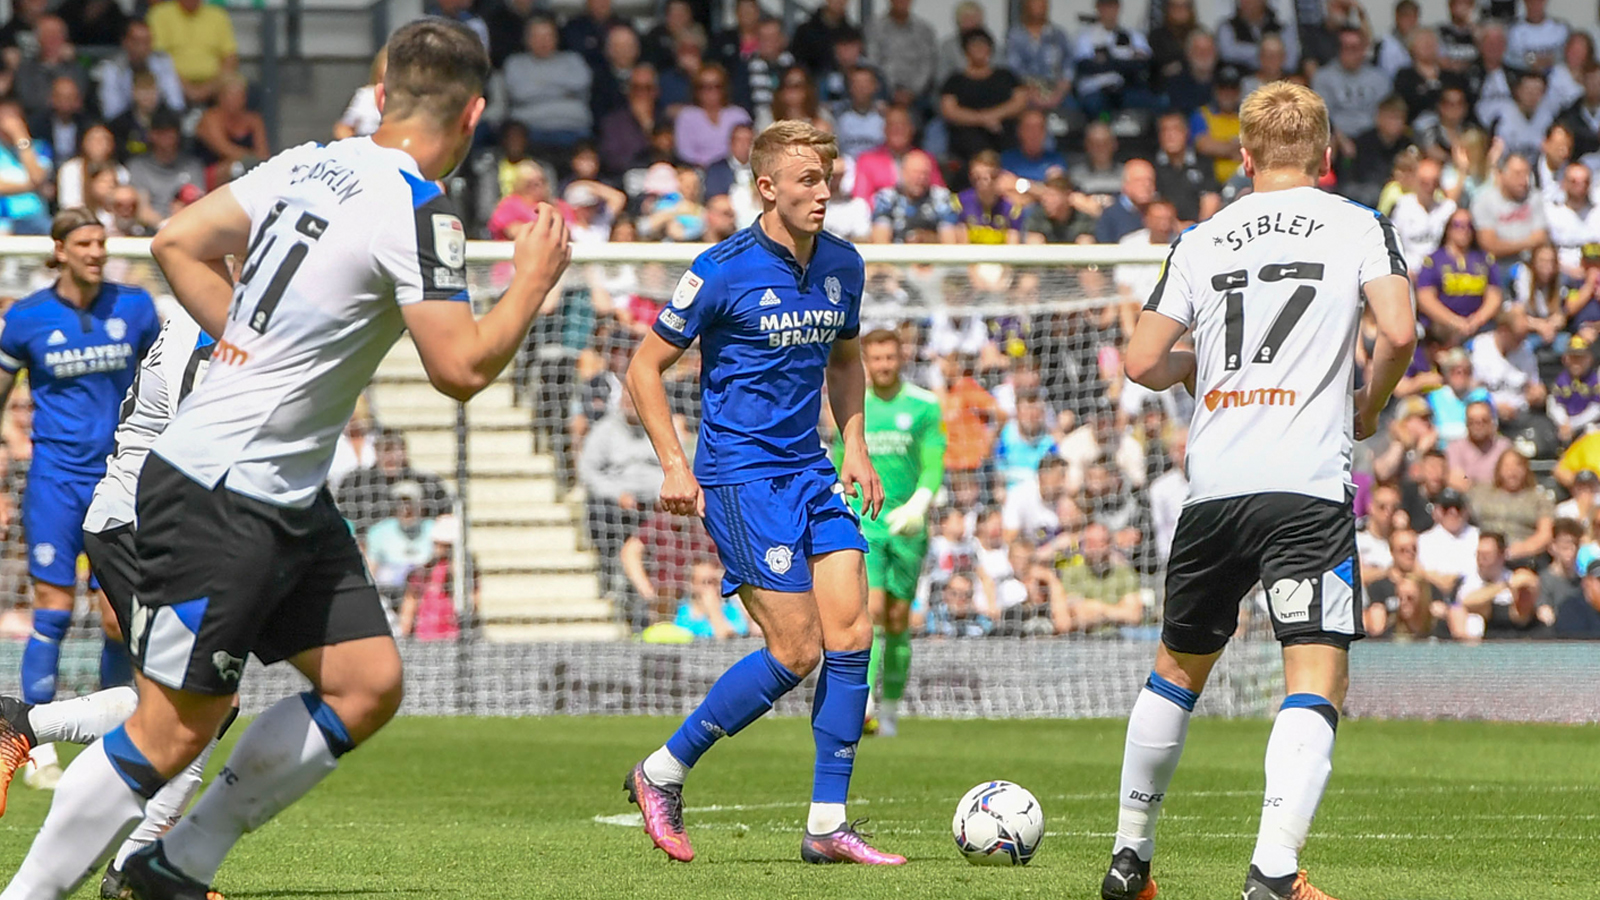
[{"x": 906, "y": 439}]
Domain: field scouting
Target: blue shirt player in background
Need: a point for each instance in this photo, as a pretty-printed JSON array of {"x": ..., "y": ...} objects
[
  {"x": 81, "y": 340},
  {"x": 777, "y": 310}
]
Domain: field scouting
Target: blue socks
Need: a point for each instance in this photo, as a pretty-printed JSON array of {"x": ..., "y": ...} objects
[
  {"x": 116, "y": 668},
  {"x": 41, "y": 659},
  {"x": 742, "y": 695},
  {"x": 837, "y": 714}
]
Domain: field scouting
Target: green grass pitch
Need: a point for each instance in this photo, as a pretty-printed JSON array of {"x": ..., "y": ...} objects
[{"x": 518, "y": 808}]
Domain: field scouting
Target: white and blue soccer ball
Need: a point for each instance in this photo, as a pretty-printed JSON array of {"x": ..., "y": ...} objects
[{"x": 998, "y": 824}]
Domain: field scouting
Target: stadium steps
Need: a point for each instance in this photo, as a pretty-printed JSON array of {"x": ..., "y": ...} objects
[{"x": 538, "y": 579}]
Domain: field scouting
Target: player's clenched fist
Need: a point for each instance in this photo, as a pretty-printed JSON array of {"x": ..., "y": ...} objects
[
  {"x": 860, "y": 479},
  {"x": 680, "y": 494},
  {"x": 544, "y": 248}
]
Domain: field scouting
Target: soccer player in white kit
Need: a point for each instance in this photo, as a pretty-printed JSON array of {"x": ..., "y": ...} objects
[
  {"x": 240, "y": 548},
  {"x": 1272, "y": 290}
]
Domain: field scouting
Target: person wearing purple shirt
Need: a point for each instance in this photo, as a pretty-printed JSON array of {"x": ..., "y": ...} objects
[
  {"x": 989, "y": 217},
  {"x": 1458, "y": 286},
  {"x": 1575, "y": 396},
  {"x": 701, "y": 131}
]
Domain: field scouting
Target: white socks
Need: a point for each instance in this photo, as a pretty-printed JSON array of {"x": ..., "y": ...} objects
[
  {"x": 1157, "y": 728},
  {"x": 825, "y": 818},
  {"x": 82, "y": 719},
  {"x": 93, "y": 809},
  {"x": 280, "y": 757},
  {"x": 167, "y": 806},
  {"x": 1299, "y": 762},
  {"x": 661, "y": 767}
]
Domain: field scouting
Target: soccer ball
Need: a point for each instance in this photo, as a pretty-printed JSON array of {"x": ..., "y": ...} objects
[{"x": 998, "y": 824}]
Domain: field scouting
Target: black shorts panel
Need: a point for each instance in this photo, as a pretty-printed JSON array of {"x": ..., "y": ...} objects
[
  {"x": 1301, "y": 549},
  {"x": 115, "y": 564},
  {"x": 222, "y": 576}
]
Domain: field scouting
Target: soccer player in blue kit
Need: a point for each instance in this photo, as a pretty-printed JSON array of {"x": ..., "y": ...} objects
[
  {"x": 81, "y": 340},
  {"x": 777, "y": 310}
]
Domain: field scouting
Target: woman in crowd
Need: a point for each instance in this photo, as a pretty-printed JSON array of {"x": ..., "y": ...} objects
[
  {"x": 1472, "y": 162},
  {"x": 96, "y": 147},
  {"x": 1458, "y": 287},
  {"x": 1515, "y": 506},
  {"x": 1540, "y": 289},
  {"x": 518, "y": 209},
  {"x": 1440, "y": 130},
  {"x": 796, "y": 98},
  {"x": 231, "y": 137},
  {"x": 1168, "y": 38},
  {"x": 701, "y": 132}
]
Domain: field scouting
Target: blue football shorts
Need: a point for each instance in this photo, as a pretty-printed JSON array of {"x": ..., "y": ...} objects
[
  {"x": 53, "y": 507},
  {"x": 766, "y": 531}
]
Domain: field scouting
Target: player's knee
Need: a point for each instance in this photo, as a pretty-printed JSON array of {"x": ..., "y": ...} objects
[
  {"x": 897, "y": 618},
  {"x": 800, "y": 657},
  {"x": 366, "y": 697},
  {"x": 51, "y": 596}
]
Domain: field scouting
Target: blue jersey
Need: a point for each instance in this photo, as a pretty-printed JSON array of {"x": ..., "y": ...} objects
[
  {"x": 80, "y": 363},
  {"x": 766, "y": 328}
]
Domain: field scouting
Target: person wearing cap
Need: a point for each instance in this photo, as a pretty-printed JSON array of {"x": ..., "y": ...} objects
[
  {"x": 1216, "y": 125},
  {"x": 1450, "y": 401},
  {"x": 594, "y": 207},
  {"x": 1575, "y": 396},
  {"x": 428, "y": 608},
  {"x": 1410, "y": 433},
  {"x": 401, "y": 542},
  {"x": 1448, "y": 551},
  {"x": 1579, "y": 617},
  {"x": 166, "y": 169}
]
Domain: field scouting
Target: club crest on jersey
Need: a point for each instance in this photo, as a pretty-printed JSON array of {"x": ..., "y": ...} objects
[
  {"x": 779, "y": 559},
  {"x": 830, "y": 286},
  {"x": 903, "y": 421},
  {"x": 45, "y": 554},
  {"x": 688, "y": 288},
  {"x": 116, "y": 329},
  {"x": 449, "y": 240}
]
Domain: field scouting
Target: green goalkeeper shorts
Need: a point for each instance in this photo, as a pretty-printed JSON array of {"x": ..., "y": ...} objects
[{"x": 894, "y": 563}]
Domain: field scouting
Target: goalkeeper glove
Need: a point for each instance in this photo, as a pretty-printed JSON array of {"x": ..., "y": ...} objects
[{"x": 912, "y": 517}]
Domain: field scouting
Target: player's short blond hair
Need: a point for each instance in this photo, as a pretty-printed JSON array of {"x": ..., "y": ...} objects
[
  {"x": 786, "y": 134},
  {"x": 1284, "y": 125}
]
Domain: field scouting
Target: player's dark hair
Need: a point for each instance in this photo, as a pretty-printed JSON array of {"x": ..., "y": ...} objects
[
  {"x": 436, "y": 68},
  {"x": 65, "y": 223}
]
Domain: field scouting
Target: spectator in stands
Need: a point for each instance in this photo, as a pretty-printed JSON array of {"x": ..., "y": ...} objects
[
  {"x": 833, "y": 86},
  {"x": 37, "y": 76},
  {"x": 1503, "y": 363},
  {"x": 1102, "y": 589},
  {"x": 860, "y": 122},
  {"x": 1181, "y": 175},
  {"x": 595, "y": 207},
  {"x": 96, "y": 149},
  {"x": 428, "y": 612},
  {"x": 361, "y": 115},
  {"x": 1423, "y": 81},
  {"x": 1420, "y": 217},
  {"x": 1497, "y": 601},
  {"x": 517, "y": 210},
  {"x": 676, "y": 214},
  {"x": 608, "y": 91},
  {"x": 1449, "y": 402},
  {"x": 507, "y": 23},
  {"x": 1582, "y": 116},
  {"x": 231, "y": 138},
  {"x": 658, "y": 560},
  {"x": 1098, "y": 174},
  {"x": 969, "y": 15},
  {"x": 199, "y": 38},
  {"x": 730, "y": 47},
  {"x": 547, "y": 89},
  {"x": 1394, "y": 50},
  {"x": 1193, "y": 87},
  {"x": 983, "y": 211},
  {"x": 1509, "y": 215},
  {"x": 1166, "y": 496},
  {"x": 1514, "y": 505},
  {"x": 1031, "y": 507},
  {"x": 796, "y": 98},
  {"x": 1126, "y": 214},
  {"x": 704, "y": 612},
  {"x": 364, "y": 495},
  {"x": 1575, "y": 396},
  {"x": 972, "y": 418},
  {"x": 1239, "y": 36},
  {"x": 1565, "y": 187},
  {"x": 980, "y": 104},
  {"x": 115, "y": 74},
  {"x": 400, "y": 543},
  {"x": 94, "y": 23},
  {"x": 132, "y": 129},
  {"x": 1098, "y": 436},
  {"x": 1136, "y": 281},
  {"x": 1579, "y": 617},
  {"x": 17, "y": 37},
  {"x": 1401, "y": 553},
  {"x": 1320, "y": 35},
  {"x": 1024, "y": 441},
  {"x": 1061, "y": 216},
  {"x": 814, "y": 38},
  {"x": 953, "y": 613},
  {"x": 1566, "y": 79},
  {"x": 1029, "y": 159},
  {"x": 1448, "y": 550},
  {"x": 61, "y": 126},
  {"x": 1560, "y": 581},
  {"x": 1458, "y": 38},
  {"x": 1112, "y": 64},
  {"x": 757, "y": 79},
  {"x": 848, "y": 216},
  {"x": 721, "y": 221},
  {"x": 1475, "y": 456},
  {"x": 731, "y": 176},
  {"x": 586, "y": 33},
  {"x": 1376, "y": 153},
  {"x": 679, "y": 79},
  {"x": 1173, "y": 24},
  {"x": 165, "y": 170},
  {"x": 1521, "y": 124},
  {"x": 22, "y": 174},
  {"x": 1272, "y": 66},
  {"x": 1492, "y": 78},
  {"x": 1458, "y": 286},
  {"x": 906, "y": 48},
  {"x": 880, "y": 168},
  {"x": 620, "y": 477},
  {"x": 1039, "y": 53},
  {"x": 1216, "y": 126},
  {"x": 702, "y": 132},
  {"x": 1352, "y": 89},
  {"x": 917, "y": 211},
  {"x": 1535, "y": 41},
  {"x": 624, "y": 133},
  {"x": 1378, "y": 527}
]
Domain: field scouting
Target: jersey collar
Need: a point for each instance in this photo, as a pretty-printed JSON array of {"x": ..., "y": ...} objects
[{"x": 782, "y": 252}]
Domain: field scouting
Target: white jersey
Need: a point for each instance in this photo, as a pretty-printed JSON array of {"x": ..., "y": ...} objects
[
  {"x": 172, "y": 367},
  {"x": 1271, "y": 289},
  {"x": 343, "y": 237}
]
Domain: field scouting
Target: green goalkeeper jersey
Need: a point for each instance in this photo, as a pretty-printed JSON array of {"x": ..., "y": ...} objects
[{"x": 905, "y": 436}]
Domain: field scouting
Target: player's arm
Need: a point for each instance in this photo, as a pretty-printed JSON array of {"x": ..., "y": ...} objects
[
  {"x": 680, "y": 492},
  {"x": 912, "y": 517},
  {"x": 1389, "y": 297},
  {"x": 847, "y": 391},
  {"x": 463, "y": 354},
  {"x": 192, "y": 250},
  {"x": 1151, "y": 360}
]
